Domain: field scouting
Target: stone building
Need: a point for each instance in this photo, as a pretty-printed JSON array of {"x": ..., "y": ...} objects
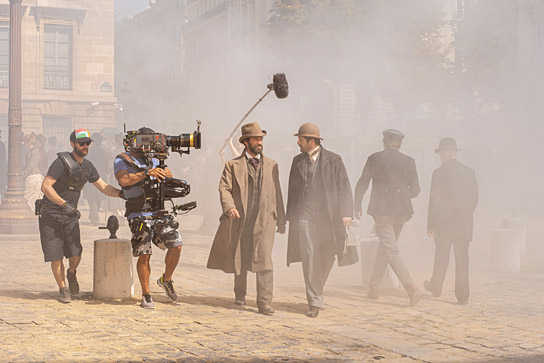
[{"x": 67, "y": 66}]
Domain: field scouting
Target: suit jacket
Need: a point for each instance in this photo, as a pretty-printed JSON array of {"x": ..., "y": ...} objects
[
  {"x": 394, "y": 184},
  {"x": 225, "y": 253},
  {"x": 454, "y": 196},
  {"x": 338, "y": 198}
]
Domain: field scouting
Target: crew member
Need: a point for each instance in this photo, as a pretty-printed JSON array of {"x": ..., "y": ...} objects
[
  {"x": 319, "y": 208},
  {"x": 394, "y": 184},
  {"x": 454, "y": 196},
  {"x": 130, "y": 171},
  {"x": 252, "y": 205},
  {"x": 59, "y": 226}
]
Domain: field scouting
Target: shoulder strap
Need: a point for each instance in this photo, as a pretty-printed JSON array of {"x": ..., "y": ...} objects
[
  {"x": 69, "y": 162},
  {"x": 130, "y": 162}
]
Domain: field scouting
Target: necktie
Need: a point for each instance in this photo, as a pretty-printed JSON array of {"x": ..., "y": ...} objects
[
  {"x": 312, "y": 156},
  {"x": 254, "y": 162}
]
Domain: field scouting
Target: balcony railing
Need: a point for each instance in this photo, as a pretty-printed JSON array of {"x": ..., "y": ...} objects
[{"x": 57, "y": 80}]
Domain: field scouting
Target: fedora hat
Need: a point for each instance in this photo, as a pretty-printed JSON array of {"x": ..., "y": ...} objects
[
  {"x": 308, "y": 130},
  {"x": 251, "y": 130},
  {"x": 447, "y": 144}
]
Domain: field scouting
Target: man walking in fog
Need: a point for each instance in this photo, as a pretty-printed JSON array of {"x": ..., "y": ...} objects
[
  {"x": 319, "y": 208},
  {"x": 454, "y": 196},
  {"x": 252, "y": 205},
  {"x": 394, "y": 184}
]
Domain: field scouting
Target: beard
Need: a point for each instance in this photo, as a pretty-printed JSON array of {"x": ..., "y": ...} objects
[
  {"x": 81, "y": 153},
  {"x": 257, "y": 149}
]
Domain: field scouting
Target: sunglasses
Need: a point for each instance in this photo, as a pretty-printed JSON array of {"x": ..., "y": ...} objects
[{"x": 85, "y": 143}]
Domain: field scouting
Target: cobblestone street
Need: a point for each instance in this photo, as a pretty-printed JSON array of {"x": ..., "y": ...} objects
[{"x": 504, "y": 320}]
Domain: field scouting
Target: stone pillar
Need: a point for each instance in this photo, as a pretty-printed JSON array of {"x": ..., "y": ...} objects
[
  {"x": 505, "y": 250},
  {"x": 113, "y": 276},
  {"x": 15, "y": 215}
]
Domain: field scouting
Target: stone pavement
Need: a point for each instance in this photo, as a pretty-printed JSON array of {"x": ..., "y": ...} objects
[{"x": 504, "y": 320}]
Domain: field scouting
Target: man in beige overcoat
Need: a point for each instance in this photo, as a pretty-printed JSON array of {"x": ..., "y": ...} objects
[{"x": 252, "y": 205}]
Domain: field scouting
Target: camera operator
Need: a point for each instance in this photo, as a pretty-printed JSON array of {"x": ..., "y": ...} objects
[
  {"x": 131, "y": 169},
  {"x": 59, "y": 226}
]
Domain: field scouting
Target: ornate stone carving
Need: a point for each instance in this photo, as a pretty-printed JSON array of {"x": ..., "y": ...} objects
[{"x": 41, "y": 13}]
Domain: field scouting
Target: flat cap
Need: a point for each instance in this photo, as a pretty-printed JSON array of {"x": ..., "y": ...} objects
[{"x": 393, "y": 135}]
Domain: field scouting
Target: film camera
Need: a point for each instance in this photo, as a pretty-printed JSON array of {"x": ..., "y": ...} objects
[{"x": 158, "y": 146}]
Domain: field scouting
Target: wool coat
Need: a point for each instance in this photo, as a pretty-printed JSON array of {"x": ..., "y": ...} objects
[
  {"x": 394, "y": 184},
  {"x": 338, "y": 196},
  {"x": 454, "y": 196},
  {"x": 225, "y": 253}
]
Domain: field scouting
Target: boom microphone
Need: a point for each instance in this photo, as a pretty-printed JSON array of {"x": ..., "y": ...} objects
[{"x": 280, "y": 85}]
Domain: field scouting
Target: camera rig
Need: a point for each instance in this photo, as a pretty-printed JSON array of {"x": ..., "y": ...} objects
[{"x": 158, "y": 146}]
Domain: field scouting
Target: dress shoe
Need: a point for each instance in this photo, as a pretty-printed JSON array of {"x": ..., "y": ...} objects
[
  {"x": 427, "y": 286},
  {"x": 414, "y": 295},
  {"x": 313, "y": 312},
  {"x": 240, "y": 301},
  {"x": 373, "y": 294},
  {"x": 266, "y": 309}
]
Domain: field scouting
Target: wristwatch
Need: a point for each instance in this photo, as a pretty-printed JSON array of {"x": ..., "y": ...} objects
[{"x": 146, "y": 172}]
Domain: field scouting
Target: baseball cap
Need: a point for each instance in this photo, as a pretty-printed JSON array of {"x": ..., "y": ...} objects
[{"x": 80, "y": 135}]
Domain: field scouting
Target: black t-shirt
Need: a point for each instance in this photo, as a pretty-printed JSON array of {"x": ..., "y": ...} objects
[{"x": 61, "y": 174}]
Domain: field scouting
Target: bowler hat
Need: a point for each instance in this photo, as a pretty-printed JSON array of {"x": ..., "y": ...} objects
[
  {"x": 308, "y": 130},
  {"x": 393, "y": 135},
  {"x": 447, "y": 144},
  {"x": 251, "y": 130},
  {"x": 80, "y": 135}
]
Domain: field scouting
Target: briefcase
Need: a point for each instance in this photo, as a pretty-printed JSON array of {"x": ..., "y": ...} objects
[{"x": 350, "y": 255}]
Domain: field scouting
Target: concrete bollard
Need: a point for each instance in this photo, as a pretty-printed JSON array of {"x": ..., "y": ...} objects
[
  {"x": 520, "y": 225},
  {"x": 113, "y": 276},
  {"x": 368, "y": 255},
  {"x": 505, "y": 250}
]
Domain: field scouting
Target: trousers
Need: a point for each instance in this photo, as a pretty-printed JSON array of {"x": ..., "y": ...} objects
[
  {"x": 265, "y": 286},
  {"x": 317, "y": 261},
  {"x": 441, "y": 261},
  {"x": 388, "y": 229}
]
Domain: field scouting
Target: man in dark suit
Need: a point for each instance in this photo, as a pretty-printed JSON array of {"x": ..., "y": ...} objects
[
  {"x": 454, "y": 196},
  {"x": 319, "y": 208},
  {"x": 394, "y": 184}
]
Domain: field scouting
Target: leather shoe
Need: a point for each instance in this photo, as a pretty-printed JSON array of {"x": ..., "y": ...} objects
[
  {"x": 313, "y": 312},
  {"x": 414, "y": 295},
  {"x": 240, "y": 301},
  {"x": 266, "y": 309},
  {"x": 427, "y": 286}
]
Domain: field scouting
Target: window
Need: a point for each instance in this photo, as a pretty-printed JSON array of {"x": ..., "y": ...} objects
[
  {"x": 58, "y": 126},
  {"x": 4, "y": 57},
  {"x": 58, "y": 57}
]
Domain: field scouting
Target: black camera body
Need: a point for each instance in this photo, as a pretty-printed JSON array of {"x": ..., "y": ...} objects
[{"x": 155, "y": 144}]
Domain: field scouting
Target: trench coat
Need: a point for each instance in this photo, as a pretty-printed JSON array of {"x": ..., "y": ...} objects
[
  {"x": 453, "y": 198},
  {"x": 394, "y": 184},
  {"x": 337, "y": 194},
  {"x": 225, "y": 253}
]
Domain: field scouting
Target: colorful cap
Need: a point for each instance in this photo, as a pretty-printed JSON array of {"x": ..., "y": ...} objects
[{"x": 80, "y": 135}]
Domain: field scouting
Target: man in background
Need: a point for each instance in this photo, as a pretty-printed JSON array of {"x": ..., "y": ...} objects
[
  {"x": 394, "y": 183},
  {"x": 454, "y": 196}
]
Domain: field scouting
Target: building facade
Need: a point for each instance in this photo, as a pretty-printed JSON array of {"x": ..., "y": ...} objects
[{"x": 67, "y": 66}]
